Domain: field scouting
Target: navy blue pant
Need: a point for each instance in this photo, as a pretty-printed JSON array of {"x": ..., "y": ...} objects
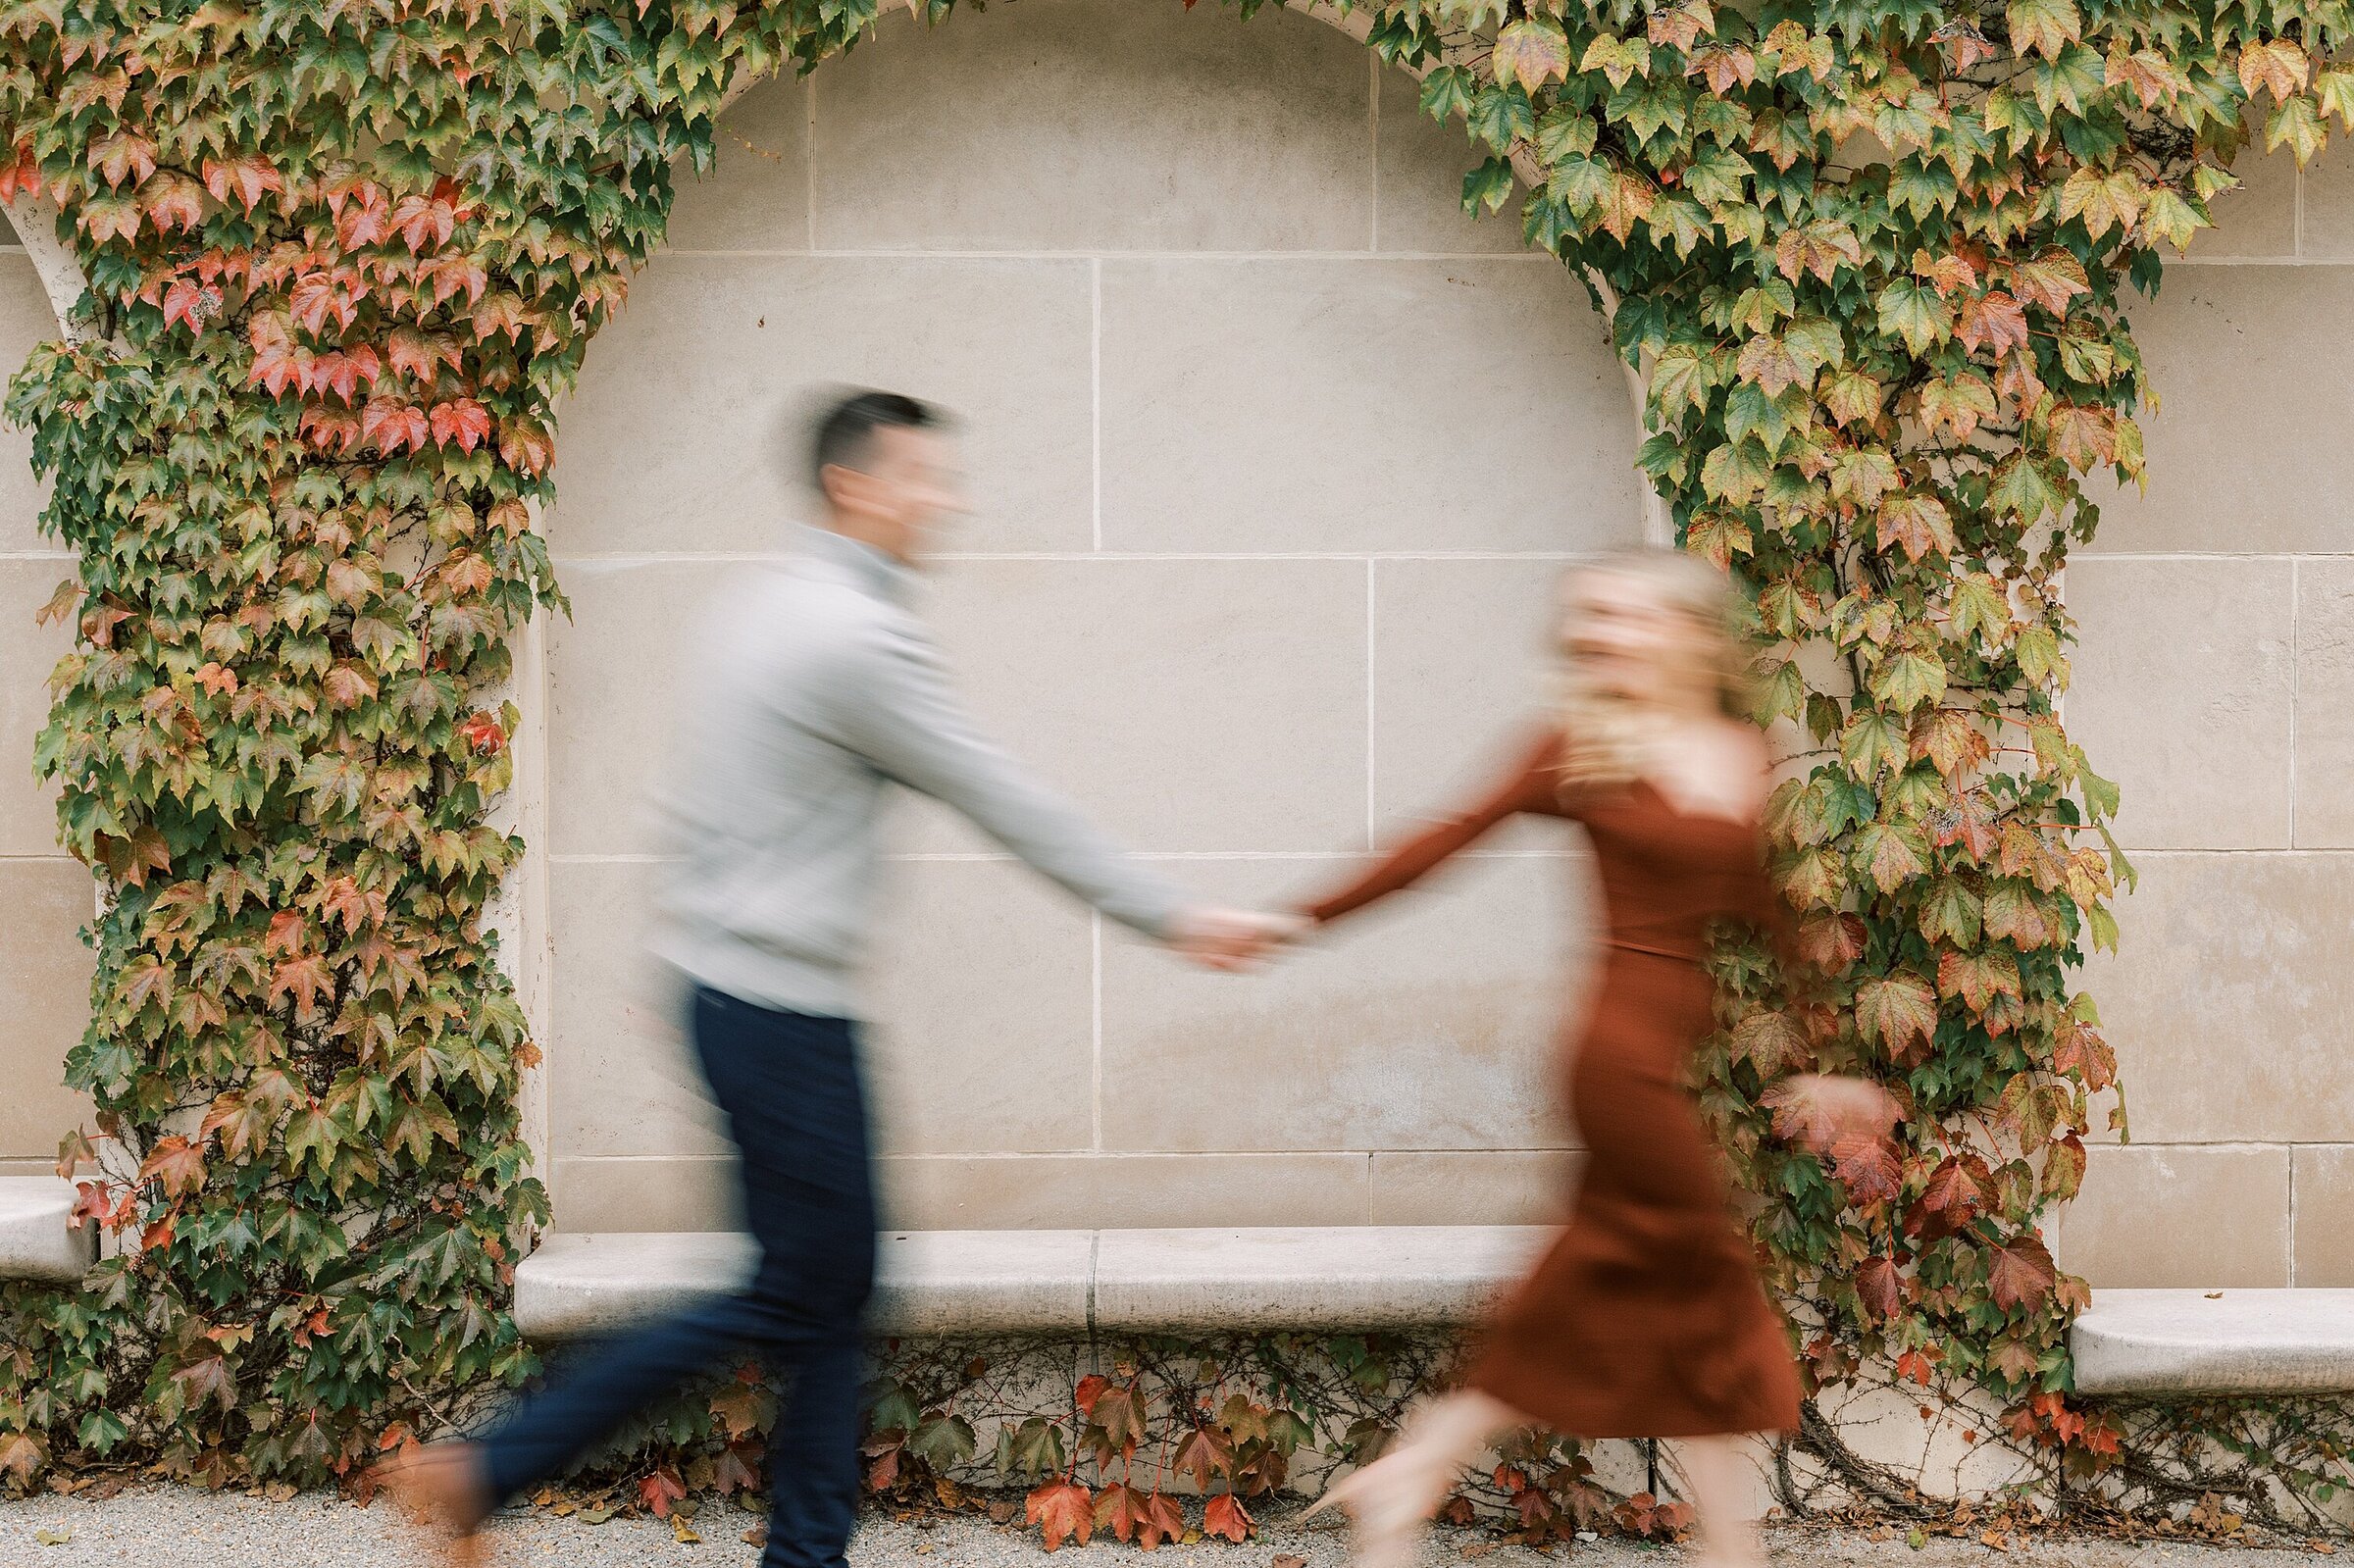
[{"x": 790, "y": 1087}]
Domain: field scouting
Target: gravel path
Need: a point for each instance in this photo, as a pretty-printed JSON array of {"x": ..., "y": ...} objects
[{"x": 174, "y": 1528}]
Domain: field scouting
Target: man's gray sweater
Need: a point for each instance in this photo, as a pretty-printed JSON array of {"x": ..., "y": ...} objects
[{"x": 814, "y": 688}]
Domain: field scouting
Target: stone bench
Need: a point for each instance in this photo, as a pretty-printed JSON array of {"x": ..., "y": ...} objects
[
  {"x": 2166, "y": 1342},
  {"x": 1062, "y": 1282},
  {"x": 39, "y": 1239}
]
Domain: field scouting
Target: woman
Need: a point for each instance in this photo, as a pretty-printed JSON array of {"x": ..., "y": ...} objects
[{"x": 1646, "y": 1319}]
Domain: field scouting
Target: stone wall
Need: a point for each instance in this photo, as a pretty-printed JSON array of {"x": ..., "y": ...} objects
[{"x": 1278, "y": 457}]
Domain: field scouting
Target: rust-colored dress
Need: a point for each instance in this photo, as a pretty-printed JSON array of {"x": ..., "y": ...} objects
[{"x": 1646, "y": 1319}]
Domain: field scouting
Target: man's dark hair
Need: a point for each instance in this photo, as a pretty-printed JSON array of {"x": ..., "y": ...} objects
[{"x": 845, "y": 434}]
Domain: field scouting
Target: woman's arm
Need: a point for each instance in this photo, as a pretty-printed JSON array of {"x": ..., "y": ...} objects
[{"x": 1529, "y": 786}]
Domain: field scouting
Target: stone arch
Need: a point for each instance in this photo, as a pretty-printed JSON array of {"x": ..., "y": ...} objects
[{"x": 687, "y": 341}]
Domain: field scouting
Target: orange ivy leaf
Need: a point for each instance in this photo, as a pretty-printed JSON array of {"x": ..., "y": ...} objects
[
  {"x": 2021, "y": 1274},
  {"x": 1062, "y": 1510},
  {"x": 1226, "y": 1516}
]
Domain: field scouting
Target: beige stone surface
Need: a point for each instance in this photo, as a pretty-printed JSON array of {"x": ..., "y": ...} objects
[
  {"x": 756, "y": 194},
  {"x": 2322, "y": 1177},
  {"x": 26, "y": 319},
  {"x": 2326, "y": 219},
  {"x": 612, "y": 686},
  {"x": 2182, "y": 694},
  {"x": 1425, "y": 1022},
  {"x": 645, "y": 1192},
  {"x": 44, "y": 1001},
  {"x": 2324, "y": 634},
  {"x": 1090, "y": 1191},
  {"x": 689, "y": 428},
  {"x": 620, "y": 1077},
  {"x": 1188, "y": 705},
  {"x": 1462, "y": 671},
  {"x": 1421, "y": 165},
  {"x": 981, "y": 983},
  {"x": 1071, "y": 125},
  {"x": 2154, "y": 1215},
  {"x": 1347, "y": 405},
  {"x": 2228, "y": 998},
  {"x": 2260, "y": 217},
  {"x": 1472, "y": 1186},
  {"x": 29, "y": 651},
  {"x": 2247, "y": 451}
]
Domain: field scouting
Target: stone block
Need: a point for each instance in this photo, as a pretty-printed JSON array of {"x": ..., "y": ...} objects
[
  {"x": 1420, "y": 165},
  {"x": 1363, "y": 1277},
  {"x": 1076, "y": 124},
  {"x": 29, "y": 651},
  {"x": 689, "y": 430},
  {"x": 1342, "y": 405},
  {"x": 756, "y": 195},
  {"x": 612, "y": 690},
  {"x": 2229, "y": 997},
  {"x": 600, "y": 1193},
  {"x": 2322, "y": 1214},
  {"x": 2245, "y": 455},
  {"x": 2183, "y": 692},
  {"x": 1464, "y": 666},
  {"x": 26, "y": 319},
  {"x": 981, "y": 985},
  {"x": 1472, "y": 1186},
  {"x": 620, "y": 1081},
  {"x": 2159, "y": 1215},
  {"x": 1427, "y": 1023},
  {"x": 1061, "y": 1191},
  {"x": 2324, "y": 634},
  {"x": 1190, "y": 706},
  {"x": 44, "y": 999}
]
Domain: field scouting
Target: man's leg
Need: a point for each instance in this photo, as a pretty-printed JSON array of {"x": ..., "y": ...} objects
[{"x": 810, "y": 1187}]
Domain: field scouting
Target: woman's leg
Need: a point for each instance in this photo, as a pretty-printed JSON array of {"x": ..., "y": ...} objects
[
  {"x": 1723, "y": 1483},
  {"x": 1392, "y": 1499}
]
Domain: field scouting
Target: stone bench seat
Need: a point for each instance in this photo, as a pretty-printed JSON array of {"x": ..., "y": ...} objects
[
  {"x": 1056, "y": 1281},
  {"x": 39, "y": 1239},
  {"x": 2166, "y": 1342}
]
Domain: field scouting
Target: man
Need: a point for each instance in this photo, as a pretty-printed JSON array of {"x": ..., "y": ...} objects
[{"x": 819, "y": 688}]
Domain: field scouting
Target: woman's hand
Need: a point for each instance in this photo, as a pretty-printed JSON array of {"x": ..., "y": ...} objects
[{"x": 1819, "y": 1109}]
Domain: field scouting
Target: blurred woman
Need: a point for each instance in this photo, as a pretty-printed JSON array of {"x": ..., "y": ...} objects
[{"x": 1647, "y": 1317}]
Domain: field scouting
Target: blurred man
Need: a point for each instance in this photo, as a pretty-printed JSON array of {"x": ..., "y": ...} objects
[{"x": 818, "y": 688}]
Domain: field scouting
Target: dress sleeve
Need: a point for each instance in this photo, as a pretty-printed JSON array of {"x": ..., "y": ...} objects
[{"x": 1529, "y": 786}]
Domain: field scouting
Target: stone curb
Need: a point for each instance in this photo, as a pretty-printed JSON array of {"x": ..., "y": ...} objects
[
  {"x": 1062, "y": 1282},
  {"x": 2215, "y": 1341},
  {"x": 39, "y": 1239}
]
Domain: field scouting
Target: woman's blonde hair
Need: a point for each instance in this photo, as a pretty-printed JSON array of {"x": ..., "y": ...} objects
[{"x": 1606, "y": 738}]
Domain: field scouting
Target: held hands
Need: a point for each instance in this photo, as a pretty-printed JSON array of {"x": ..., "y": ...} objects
[{"x": 1233, "y": 941}]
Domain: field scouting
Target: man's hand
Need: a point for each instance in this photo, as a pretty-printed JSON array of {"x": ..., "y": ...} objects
[{"x": 1231, "y": 939}]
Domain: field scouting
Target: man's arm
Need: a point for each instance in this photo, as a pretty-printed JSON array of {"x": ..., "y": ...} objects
[{"x": 894, "y": 707}]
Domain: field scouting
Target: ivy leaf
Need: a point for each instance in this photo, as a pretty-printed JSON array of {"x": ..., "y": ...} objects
[
  {"x": 2044, "y": 26},
  {"x": 1532, "y": 51},
  {"x": 2021, "y": 1274},
  {"x": 1896, "y": 1011},
  {"x": 1227, "y": 1517},
  {"x": 1063, "y": 1510}
]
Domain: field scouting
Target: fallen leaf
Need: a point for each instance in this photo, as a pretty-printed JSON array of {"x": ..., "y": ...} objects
[
  {"x": 1002, "y": 1513},
  {"x": 2215, "y": 1296},
  {"x": 596, "y": 1516},
  {"x": 757, "y": 1536},
  {"x": 53, "y": 1537},
  {"x": 1288, "y": 1562},
  {"x": 682, "y": 1531}
]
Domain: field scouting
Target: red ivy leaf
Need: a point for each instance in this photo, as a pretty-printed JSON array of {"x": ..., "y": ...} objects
[{"x": 2021, "y": 1274}]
